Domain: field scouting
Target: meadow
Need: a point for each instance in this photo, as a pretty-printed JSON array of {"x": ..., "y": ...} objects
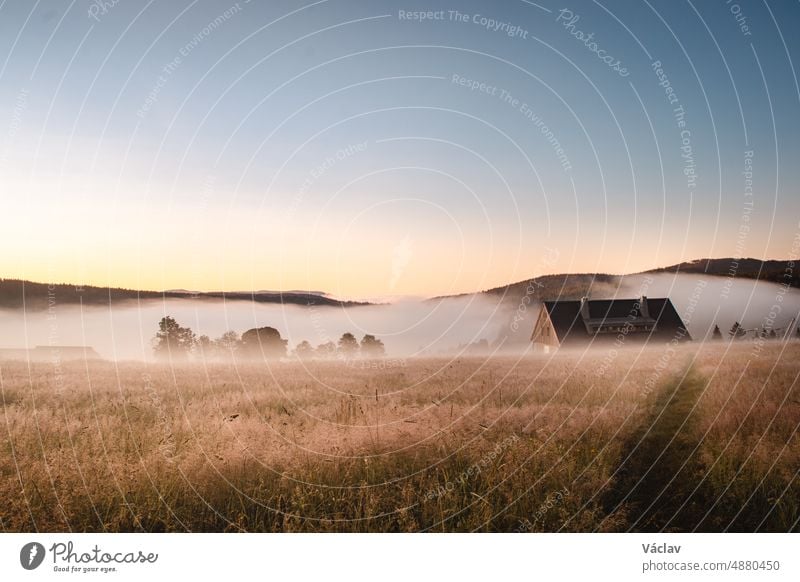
[{"x": 699, "y": 438}]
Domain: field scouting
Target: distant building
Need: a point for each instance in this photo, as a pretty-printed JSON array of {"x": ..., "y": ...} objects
[
  {"x": 50, "y": 353},
  {"x": 14, "y": 353},
  {"x": 584, "y": 322}
]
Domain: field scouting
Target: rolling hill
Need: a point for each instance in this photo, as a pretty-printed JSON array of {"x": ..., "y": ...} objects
[
  {"x": 577, "y": 285},
  {"x": 16, "y": 293},
  {"x": 19, "y": 294},
  {"x": 770, "y": 270}
]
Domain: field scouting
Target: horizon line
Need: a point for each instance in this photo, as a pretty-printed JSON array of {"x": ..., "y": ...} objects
[{"x": 370, "y": 298}]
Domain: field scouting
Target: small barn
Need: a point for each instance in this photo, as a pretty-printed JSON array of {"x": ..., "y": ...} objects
[
  {"x": 590, "y": 321},
  {"x": 49, "y": 353}
]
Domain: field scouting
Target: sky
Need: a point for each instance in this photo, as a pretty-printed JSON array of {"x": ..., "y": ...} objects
[{"x": 389, "y": 149}]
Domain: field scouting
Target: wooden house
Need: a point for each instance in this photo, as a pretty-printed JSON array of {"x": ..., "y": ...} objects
[{"x": 588, "y": 322}]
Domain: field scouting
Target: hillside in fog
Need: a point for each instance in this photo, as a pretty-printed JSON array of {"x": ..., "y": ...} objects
[
  {"x": 16, "y": 293},
  {"x": 772, "y": 271},
  {"x": 19, "y": 294},
  {"x": 577, "y": 285}
]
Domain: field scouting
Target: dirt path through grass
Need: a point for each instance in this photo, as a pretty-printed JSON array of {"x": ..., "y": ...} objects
[{"x": 655, "y": 485}]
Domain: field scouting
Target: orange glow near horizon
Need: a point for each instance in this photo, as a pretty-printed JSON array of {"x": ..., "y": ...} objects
[
  {"x": 220, "y": 248},
  {"x": 379, "y": 270}
]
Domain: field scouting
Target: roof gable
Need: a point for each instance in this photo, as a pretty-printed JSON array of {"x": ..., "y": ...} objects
[{"x": 609, "y": 318}]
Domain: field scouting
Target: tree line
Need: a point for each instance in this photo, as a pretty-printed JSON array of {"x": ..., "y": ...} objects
[
  {"x": 175, "y": 342},
  {"x": 738, "y": 331}
]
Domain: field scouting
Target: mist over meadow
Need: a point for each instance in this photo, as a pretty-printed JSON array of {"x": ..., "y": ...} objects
[{"x": 409, "y": 327}]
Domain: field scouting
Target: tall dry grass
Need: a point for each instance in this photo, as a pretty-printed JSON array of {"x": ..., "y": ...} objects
[{"x": 437, "y": 445}]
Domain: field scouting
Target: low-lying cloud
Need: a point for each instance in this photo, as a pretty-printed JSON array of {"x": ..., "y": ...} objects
[{"x": 408, "y": 327}]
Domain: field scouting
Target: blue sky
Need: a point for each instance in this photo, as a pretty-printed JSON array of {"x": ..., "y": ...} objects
[{"x": 337, "y": 145}]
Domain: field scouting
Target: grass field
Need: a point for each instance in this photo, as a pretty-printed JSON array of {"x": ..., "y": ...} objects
[{"x": 703, "y": 438}]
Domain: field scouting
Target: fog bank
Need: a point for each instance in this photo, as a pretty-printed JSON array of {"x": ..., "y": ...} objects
[{"x": 407, "y": 328}]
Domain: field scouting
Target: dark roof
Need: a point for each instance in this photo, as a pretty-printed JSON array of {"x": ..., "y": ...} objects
[
  {"x": 570, "y": 329},
  {"x": 49, "y": 353}
]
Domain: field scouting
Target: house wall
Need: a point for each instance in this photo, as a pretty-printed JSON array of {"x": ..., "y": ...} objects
[
  {"x": 49, "y": 354},
  {"x": 544, "y": 336},
  {"x": 13, "y": 354}
]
